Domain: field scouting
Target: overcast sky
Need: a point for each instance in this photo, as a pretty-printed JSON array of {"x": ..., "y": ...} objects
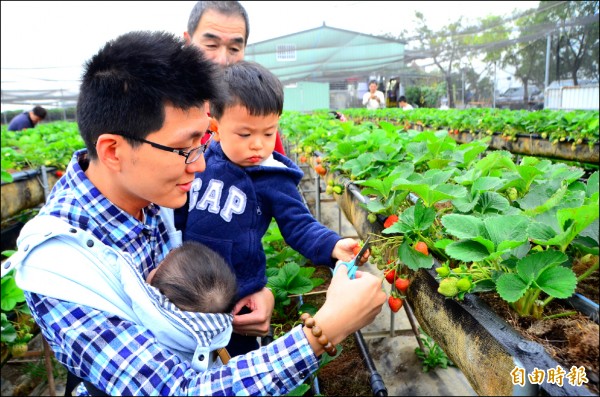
[{"x": 44, "y": 44}]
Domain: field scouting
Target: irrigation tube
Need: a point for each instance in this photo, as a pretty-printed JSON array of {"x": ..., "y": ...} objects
[
  {"x": 375, "y": 379},
  {"x": 377, "y": 385}
]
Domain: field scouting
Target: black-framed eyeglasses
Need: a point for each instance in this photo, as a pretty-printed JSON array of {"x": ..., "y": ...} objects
[{"x": 190, "y": 156}]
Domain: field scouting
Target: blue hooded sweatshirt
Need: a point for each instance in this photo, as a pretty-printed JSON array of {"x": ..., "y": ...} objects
[{"x": 230, "y": 209}]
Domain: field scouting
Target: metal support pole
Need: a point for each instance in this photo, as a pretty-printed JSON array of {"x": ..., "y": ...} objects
[
  {"x": 392, "y": 321},
  {"x": 318, "y": 196},
  {"x": 49, "y": 370},
  {"x": 413, "y": 323},
  {"x": 339, "y": 220},
  {"x": 494, "y": 89},
  {"x": 547, "y": 75},
  {"x": 45, "y": 182}
]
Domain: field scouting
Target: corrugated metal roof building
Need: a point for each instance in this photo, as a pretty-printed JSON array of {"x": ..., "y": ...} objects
[{"x": 343, "y": 59}]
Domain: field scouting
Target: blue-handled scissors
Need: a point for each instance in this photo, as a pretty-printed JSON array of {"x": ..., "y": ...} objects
[{"x": 352, "y": 264}]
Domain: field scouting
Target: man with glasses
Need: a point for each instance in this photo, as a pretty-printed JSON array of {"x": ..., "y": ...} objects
[
  {"x": 190, "y": 156},
  {"x": 142, "y": 107}
]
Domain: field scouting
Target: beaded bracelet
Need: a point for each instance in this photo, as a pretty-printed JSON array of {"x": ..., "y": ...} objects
[{"x": 310, "y": 323}]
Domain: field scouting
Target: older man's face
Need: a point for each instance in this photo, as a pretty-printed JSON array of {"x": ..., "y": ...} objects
[{"x": 221, "y": 37}]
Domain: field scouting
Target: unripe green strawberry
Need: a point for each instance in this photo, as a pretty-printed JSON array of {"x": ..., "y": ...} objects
[
  {"x": 18, "y": 349},
  {"x": 372, "y": 217},
  {"x": 329, "y": 189},
  {"x": 512, "y": 193},
  {"x": 331, "y": 182},
  {"x": 337, "y": 189},
  {"x": 443, "y": 271},
  {"x": 464, "y": 284},
  {"x": 448, "y": 287}
]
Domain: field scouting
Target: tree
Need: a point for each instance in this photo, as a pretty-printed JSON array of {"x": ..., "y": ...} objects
[
  {"x": 486, "y": 44},
  {"x": 577, "y": 22},
  {"x": 527, "y": 55},
  {"x": 446, "y": 47}
]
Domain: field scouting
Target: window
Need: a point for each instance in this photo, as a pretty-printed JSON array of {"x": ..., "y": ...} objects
[{"x": 286, "y": 52}]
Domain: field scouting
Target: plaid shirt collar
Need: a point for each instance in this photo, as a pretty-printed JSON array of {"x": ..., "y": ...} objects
[{"x": 89, "y": 209}]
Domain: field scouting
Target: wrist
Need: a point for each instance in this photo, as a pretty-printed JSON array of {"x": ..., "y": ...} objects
[{"x": 317, "y": 336}]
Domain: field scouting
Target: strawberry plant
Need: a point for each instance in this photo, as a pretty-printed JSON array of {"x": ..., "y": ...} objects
[
  {"x": 480, "y": 213},
  {"x": 17, "y": 323},
  {"x": 432, "y": 355},
  {"x": 49, "y": 144},
  {"x": 286, "y": 272}
]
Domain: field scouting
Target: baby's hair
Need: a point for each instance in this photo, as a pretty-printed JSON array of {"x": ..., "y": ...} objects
[{"x": 196, "y": 279}]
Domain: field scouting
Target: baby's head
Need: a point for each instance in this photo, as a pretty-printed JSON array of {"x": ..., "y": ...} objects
[
  {"x": 196, "y": 279},
  {"x": 248, "y": 113}
]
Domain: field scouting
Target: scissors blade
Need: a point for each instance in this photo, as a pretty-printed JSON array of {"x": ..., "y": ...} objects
[{"x": 362, "y": 252}]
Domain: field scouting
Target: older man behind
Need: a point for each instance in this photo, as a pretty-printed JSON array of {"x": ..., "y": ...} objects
[{"x": 221, "y": 30}]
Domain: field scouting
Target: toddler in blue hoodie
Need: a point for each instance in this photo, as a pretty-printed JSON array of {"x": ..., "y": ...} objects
[{"x": 246, "y": 184}]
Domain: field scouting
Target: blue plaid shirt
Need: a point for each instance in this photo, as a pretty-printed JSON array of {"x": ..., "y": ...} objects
[{"x": 124, "y": 358}]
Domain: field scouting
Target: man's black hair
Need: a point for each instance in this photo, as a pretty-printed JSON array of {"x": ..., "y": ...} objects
[
  {"x": 127, "y": 84},
  {"x": 40, "y": 112}
]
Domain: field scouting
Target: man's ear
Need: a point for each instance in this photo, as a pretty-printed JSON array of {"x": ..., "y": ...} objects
[
  {"x": 187, "y": 38},
  {"x": 110, "y": 149}
]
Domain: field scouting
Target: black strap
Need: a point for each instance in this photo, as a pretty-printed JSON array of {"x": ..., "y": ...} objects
[{"x": 72, "y": 382}]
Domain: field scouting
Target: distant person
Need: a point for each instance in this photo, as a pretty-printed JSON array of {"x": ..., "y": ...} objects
[
  {"x": 27, "y": 119},
  {"x": 373, "y": 99},
  {"x": 402, "y": 103}
]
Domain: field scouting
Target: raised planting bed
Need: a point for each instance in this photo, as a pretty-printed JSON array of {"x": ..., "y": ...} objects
[
  {"x": 535, "y": 145},
  {"x": 492, "y": 347},
  {"x": 27, "y": 190}
]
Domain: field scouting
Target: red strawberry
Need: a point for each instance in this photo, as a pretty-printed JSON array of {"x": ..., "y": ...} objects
[
  {"x": 390, "y": 221},
  {"x": 395, "y": 303},
  {"x": 402, "y": 284},
  {"x": 59, "y": 173},
  {"x": 390, "y": 275},
  {"x": 422, "y": 248}
]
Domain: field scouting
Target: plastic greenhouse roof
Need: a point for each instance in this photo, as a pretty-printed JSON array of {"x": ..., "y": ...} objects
[
  {"x": 44, "y": 97},
  {"x": 327, "y": 53}
]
